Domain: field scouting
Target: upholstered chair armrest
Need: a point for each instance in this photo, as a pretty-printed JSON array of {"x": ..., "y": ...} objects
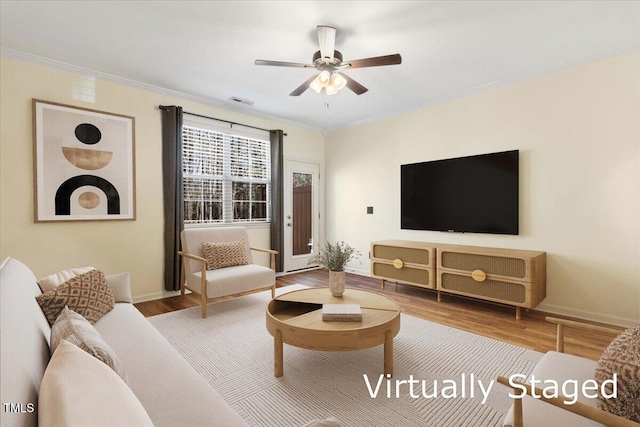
[
  {"x": 269, "y": 251},
  {"x": 203, "y": 264},
  {"x": 578, "y": 408},
  {"x": 578, "y": 325}
]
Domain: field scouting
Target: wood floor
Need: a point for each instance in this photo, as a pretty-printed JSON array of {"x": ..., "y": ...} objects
[{"x": 491, "y": 320}]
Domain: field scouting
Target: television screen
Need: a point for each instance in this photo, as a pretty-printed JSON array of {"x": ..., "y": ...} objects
[{"x": 477, "y": 194}]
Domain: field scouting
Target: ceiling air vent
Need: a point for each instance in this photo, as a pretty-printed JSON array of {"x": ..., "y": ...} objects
[{"x": 241, "y": 101}]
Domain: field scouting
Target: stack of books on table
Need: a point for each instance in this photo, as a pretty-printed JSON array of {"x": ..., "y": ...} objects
[{"x": 341, "y": 313}]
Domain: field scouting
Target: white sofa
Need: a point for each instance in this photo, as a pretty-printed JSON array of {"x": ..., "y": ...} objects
[{"x": 169, "y": 389}]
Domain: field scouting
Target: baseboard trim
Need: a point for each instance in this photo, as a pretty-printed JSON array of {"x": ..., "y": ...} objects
[
  {"x": 555, "y": 309},
  {"x": 155, "y": 296},
  {"x": 587, "y": 315},
  {"x": 358, "y": 271}
]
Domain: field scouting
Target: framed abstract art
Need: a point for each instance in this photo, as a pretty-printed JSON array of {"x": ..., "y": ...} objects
[{"x": 84, "y": 163}]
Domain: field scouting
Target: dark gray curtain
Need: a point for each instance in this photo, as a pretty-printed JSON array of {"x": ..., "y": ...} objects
[
  {"x": 277, "y": 194},
  {"x": 173, "y": 193}
]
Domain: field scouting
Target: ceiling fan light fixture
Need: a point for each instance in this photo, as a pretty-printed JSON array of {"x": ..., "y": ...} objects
[
  {"x": 324, "y": 77},
  {"x": 329, "y": 63},
  {"x": 338, "y": 81},
  {"x": 316, "y": 85}
]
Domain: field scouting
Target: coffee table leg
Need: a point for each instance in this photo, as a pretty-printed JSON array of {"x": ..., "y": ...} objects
[
  {"x": 388, "y": 353},
  {"x": 277, "y": 354}
]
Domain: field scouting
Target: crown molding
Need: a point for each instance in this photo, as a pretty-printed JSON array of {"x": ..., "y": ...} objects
[
  {"x": 494, "y": 85},
  {"x": 15, "y": 54},
  {"x": 11, "y": 53}
]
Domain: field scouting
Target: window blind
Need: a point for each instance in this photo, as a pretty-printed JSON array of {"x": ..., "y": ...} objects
[{"x": 226, "y": 177}]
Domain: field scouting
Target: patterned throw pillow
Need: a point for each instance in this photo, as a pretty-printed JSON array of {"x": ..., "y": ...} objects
[
  {"x": 78, "y": 331},
  {"x": 622, "y": 357},
  {"x": 87, "y": 294},
  {"x": 226, "y": 254}
]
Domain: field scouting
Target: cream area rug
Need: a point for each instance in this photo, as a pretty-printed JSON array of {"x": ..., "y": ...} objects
[{"x": 442, "y": 376}]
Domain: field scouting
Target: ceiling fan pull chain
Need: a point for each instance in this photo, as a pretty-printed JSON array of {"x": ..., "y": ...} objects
[{"x": 326, "y": 103}]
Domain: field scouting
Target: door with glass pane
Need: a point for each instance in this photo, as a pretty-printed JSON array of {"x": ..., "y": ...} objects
[{"x": 302, "y": 212}]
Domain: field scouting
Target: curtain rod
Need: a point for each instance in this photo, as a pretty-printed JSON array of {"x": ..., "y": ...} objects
[{"x": 221, "y": 120}]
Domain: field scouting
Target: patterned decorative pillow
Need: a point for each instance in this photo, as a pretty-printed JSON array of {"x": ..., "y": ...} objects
[
  {"x": 226, "y": 254},
  {"x": 87, "y": 294},
  {"x": 78, "y": 331},
  {"x": 120, "y": 283},
  {"x": 623, "y": 358}
]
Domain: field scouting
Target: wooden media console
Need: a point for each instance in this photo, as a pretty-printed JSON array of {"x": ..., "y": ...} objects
[{"x": 508, "y": 276}]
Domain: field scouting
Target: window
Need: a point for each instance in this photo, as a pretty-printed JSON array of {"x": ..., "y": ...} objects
[{"x": 226, "y": 177}]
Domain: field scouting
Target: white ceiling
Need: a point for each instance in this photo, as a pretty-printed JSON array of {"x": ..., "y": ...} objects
[{"x": 207, "y": 49}]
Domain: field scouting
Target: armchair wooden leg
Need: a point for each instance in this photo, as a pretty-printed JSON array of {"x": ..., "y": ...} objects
[
  {"x": 203, "y": 292},
  {"x": 517, "y": 413},
  {"x": 203, "y": 303},
  {"x": 183, "y": 287},
  {"x": 183, "y": 281},
  {"x": 273, "y": 291}
]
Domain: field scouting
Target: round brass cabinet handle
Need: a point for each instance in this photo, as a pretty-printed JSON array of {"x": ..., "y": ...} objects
[
  {"x": 479, "y": 275},
  {"x": 397, "y": 263}
]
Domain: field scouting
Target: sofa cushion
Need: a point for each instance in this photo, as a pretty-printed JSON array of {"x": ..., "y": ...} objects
[
  {"x": 120, "y": 285},
  {"x": 87, "y": 294},
  {"x": 78, "y": 390},
  {"x": 231, "y": 280},
  {"x": 72, "y": 327},
  {"x": 225, "y": 254},
  {"x": 171, "y": 391},
  {"x": 622, "y": 357},
  {"x": 54, "y": 280}
]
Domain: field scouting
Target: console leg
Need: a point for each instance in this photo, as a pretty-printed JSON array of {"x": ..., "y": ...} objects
[
  {"x": 518, "y": 313},
  {"x": 382, "y": 283},
  {"x": 439, "y": 296}
]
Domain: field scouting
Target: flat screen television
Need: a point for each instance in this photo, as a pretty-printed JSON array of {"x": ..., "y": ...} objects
[{"x": 477, "y": 194}]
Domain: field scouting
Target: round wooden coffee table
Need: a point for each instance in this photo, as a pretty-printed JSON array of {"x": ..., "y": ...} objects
[{"x": 295, "y": 318}]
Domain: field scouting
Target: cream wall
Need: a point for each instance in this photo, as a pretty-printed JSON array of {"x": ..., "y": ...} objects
[
  {"x": 578, "y": 132},
  {"x": 112, "y": 246}
]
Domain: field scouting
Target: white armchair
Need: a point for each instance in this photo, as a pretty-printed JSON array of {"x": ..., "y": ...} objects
[
  {"x": 560, "y": 367},
  {"x": 224, "y": 281}
]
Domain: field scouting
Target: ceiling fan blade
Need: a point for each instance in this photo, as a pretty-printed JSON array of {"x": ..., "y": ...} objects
[
  {"x": 356, "y": 87},
  {"x": 327, "y": 41},
  {"x": 282, "y": 64},
  {"x": 375, "y": 61},
  {"x": 304, "y": 86}
]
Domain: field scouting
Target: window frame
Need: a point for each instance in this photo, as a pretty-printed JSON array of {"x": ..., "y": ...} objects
[{"x": 227, "y": 134}]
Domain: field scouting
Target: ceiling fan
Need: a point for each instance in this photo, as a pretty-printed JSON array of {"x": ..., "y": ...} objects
[{"x": 330, "y": 64}]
